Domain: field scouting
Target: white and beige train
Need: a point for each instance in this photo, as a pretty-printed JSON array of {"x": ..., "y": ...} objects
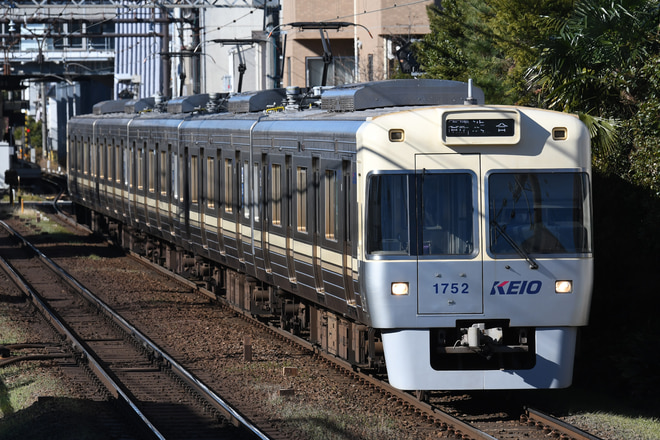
[{"x": 400, "y": 221}]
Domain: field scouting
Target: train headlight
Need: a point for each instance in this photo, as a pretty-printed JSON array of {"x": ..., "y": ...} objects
[
  {"x": 400, "y": 288},
  {"x": 564, "y": 286}
]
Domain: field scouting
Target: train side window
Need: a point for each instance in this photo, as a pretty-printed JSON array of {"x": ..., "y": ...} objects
[
  {"x": 182, "y": 165},
  {"x": 194, "y": 181},
  {"x": 101, "y": 150},
  {"x": 276, "y": 194},
  {"x": 210, "y": 182},
  {"x": 85, "y": 153},
  {"x": 118, "y": 162},
  {"x": 245, "y": 189},
  {"x": 174, "y": 177},
  {"x": 92, "y": 159},
  {"x": 131, "y": 170},
  {"x": 108, "y": 161},
  {"x": 330, "y": 192},
  {"x": 388, "y": 208},
  {"x": 151, "y": 167},
  {"x": 163, "y": 171},
  {"x": 256, "y": 189},
  {"x": 301, "y": 199},
  {"x": 124, "y": 163},
  {"x": 229, "y": 186},
  {"x": 140, "y": 170},
  {"x": 85, "y": 147}
]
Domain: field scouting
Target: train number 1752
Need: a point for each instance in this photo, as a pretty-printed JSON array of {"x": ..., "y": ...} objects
[{"x": 451, "y": 288}]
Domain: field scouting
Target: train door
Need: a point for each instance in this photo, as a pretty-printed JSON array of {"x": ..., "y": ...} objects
[
  {"x": 185, "y": 193},
  {"x": 289, "y": 218},
  {"x": 143, "y": 170},
  {"x": 257, "y": 212},
  {"x": 449, "y": 265},
  {"x": 133, "y": 180},
  {"x": 113, "y": 172},
  {"x": 316, "y": 224},
  {"x": 219, "y": 200},
  {"x": 207, "y": 202},
  {"x": 155, "y": 176},
  {"x": 98, "y": 147},
  {"x": 348, "y": 227},
  {"x": 125, "y": 178},
  {"x": 265, "y": 221},
  {"x": 241, "y": 169},
  {"x": 119, "y": 177},
  {"x": 164, "y": 192}
]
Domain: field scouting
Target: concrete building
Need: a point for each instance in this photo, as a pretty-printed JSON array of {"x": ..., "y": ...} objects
[
  {"x": 63, "y": 57},
  {"x": 365, "y": 51}
]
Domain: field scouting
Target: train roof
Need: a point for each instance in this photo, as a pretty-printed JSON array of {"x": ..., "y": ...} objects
[{"x": 347, "y": 102}]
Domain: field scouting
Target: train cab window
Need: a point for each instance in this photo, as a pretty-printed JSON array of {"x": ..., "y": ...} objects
[
  {"x": 539, "y": 213},
  {"x": 388, "y": 216},
  {"x": 446, "y": 211},
  {"x": 276, "y": 194},
  {"x": 425, "y": 215},
  {"x": 301, "y": 199}
]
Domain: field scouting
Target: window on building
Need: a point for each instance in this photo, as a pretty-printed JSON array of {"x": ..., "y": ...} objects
[{"x": 340, "y": 71}]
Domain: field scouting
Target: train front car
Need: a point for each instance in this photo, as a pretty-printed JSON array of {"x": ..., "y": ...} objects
[{"x": 477, "y": 249}]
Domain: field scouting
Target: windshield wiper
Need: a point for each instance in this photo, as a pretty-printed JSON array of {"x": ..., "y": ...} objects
[{"x": 511, "y": 241}]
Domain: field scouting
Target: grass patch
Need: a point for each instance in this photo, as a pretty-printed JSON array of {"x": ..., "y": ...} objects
[
  {"x": 325, "y": 424},
  {"x": 619, "y": 426},
  {"x": 10, "y": 333},
  {"x": 22, "y": 384}
]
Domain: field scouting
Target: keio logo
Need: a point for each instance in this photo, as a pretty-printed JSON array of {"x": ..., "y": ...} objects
[{"x": 516, "y": 287}]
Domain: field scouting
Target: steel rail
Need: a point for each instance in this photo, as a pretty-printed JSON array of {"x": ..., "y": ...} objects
[
  {"x": 99, "y": 371},
  {"x": 215, "y": 400},
  {"x": 467, "y": 431},
  {"x": 559, "y": 425}
]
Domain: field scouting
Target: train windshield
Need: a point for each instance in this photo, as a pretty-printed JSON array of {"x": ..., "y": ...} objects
[
  {"x": 539, "y": 213},
  {"x": 424, "y": 214}
]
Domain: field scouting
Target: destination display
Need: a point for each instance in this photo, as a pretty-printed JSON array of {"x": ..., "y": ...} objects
[{"x": 479, "y": 127}]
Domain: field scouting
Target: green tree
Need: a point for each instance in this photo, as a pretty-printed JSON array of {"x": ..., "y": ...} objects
[
  {"x": 600, "y": 62},
  {"x": 494, "y": 43}
]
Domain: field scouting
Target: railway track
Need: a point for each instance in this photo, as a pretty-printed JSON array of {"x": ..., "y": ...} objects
[
  {"x": 166, "y": 400},
  {"x": 534, "y": 424},
  {"x": 442, "y": 423}
]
